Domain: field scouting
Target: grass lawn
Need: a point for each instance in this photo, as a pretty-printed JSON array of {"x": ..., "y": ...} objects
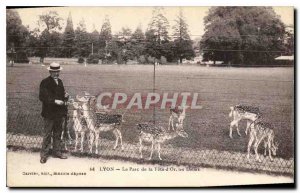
[{"x": 271, "y": 89}]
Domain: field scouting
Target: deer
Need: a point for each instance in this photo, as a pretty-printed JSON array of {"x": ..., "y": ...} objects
[
  {"x": 157, "y": 135},
  {"x": 66, "y": 125},
  {"x": 100, "y": 122},
  {"x": 262, "y": 131},
  {"x": 79, "y": 125},
  {"x": 240, "y": 112},
  {"x": 176, "y": 113}
]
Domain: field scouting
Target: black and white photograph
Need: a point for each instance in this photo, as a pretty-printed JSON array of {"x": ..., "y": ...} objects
[{"x": 157, "y": 96}]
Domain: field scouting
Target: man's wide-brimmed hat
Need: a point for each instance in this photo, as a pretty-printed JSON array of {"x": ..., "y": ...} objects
[{"x": 54, "y": 67}]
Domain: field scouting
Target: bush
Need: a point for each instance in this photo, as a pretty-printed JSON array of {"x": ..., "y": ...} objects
[
  {"x": 163, "y": 60},
  {"x": 21, "y": 57},
  {"x": 151, "y": 60},
  {"x": 80, "y": 60},
  {"x": 93, "y": 59},
  {"x": 142, "y": 59}
]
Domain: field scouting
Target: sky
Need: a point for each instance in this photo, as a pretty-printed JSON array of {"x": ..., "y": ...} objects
[{"x": 131, "y": 17}]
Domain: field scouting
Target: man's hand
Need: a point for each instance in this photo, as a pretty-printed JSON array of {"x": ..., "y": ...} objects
[
  {"x": 67, "y": 95},
  {"x": 59, "y": 102}
]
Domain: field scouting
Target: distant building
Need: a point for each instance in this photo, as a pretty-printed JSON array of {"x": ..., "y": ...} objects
[{"x": 285, "y": 60}]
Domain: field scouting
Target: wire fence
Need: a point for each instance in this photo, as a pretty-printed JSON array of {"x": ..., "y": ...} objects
[
  {"x": 208, "y": 143},
  {"x": 170, "y": 153}
]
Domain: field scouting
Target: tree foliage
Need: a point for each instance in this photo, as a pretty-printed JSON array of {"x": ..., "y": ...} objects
[
  {"x": 105, "y": 33},
  {"x": 94, "y": 38},
  {"x": 16, "y": 32},
  {"x": 82, "y": 40},
  {"x": 183, "y": 46},
  {"x": 250, "y": 35},
  {"x": 49, "y": 41},
  {"x": 159, "y": 25},
  {"x": 157, "y": 35},
  {"x": 68, "y": 38},
  {"x": 50, "y": 20}
]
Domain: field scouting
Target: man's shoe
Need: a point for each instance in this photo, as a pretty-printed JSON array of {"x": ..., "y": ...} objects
[
  {"x": 43, "y": 160},
  {"x": 60, "y": 155}
]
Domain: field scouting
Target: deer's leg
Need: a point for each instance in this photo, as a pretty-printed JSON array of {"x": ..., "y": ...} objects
[
  {"x": 233, "y": 123},
  {"x": 248, "y": 125},
  {"x": 152, "y": 147},
  {"x": 91, "y": 135},
  {"x": 63, "y": 142},
  {"x": 265, "y": 146},
  {"x": 251, "y": 139},
  {"x": 120, "y": 137},
  {"x": 141, "y": 147},
  {"x": 269, "y": 147},
  {"x": 237, "y": 128},
  {"x": 97, "y": 134},
  {"x": 158, "y": 150},
  {"x": 170, "y": 123},
  {"x": 69, "y": 136},
  {"x": 256, "y": 150},
  {"x": 82, "y": 135},
  {"x": 76, "y": 140},
  {"x": 117, "y": 138}
]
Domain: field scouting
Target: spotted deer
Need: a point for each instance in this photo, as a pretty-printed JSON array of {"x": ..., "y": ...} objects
[
  {"x": 157, "y": 135},
  {"x": 79, "y": 125},
  {"x": 262, "y": 131},
  {"x": 177, "y": 114},
  {"x": 100, "y": 122},
  {"x": 240, "y": 112},
  {"x": 67, "y": 126}
]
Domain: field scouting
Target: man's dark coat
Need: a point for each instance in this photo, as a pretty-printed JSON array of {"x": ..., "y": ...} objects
[{"x": 49, "y": 92}]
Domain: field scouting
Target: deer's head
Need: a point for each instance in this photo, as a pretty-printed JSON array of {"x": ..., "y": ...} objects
[
  {"x": 78, "y": 111},
  {"x": 82, "y": 99}
]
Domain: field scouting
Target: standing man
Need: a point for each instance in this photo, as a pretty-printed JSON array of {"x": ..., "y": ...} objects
[{"x": 53, "y": 96}]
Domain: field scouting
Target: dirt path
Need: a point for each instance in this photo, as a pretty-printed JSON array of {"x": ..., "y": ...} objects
[{"x": 24, "y": 169}]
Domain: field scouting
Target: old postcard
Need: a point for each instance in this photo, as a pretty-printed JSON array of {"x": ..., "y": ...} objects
[{"x": 150, "y": 96}]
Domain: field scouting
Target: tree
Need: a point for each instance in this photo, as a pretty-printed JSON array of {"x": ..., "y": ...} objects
[
  {"x": 157, "y": 34},
  {"x": 160, "y": 25},
  {"x": 68, "y": 38},
  {"x": 152, "y": 46},
  {"x": 94, "y": 38},
  {"x": 250, "y": 35},
  {"x": 125, "y": 45},
  {"x": 82, "y": 40},
  {"x": 138, "y": 42},
  {"x": 183, "y": 46},
  {"x": 49, "y": 39},
  {"x": 54, "y": 42},
  {"x": 16, "y": 32},
  {"x": 105, "y": 37},
  {"x": 50, "y": 20},
  {"x": 32, "y": 42},
  {"x": 289, "y": 40}
]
